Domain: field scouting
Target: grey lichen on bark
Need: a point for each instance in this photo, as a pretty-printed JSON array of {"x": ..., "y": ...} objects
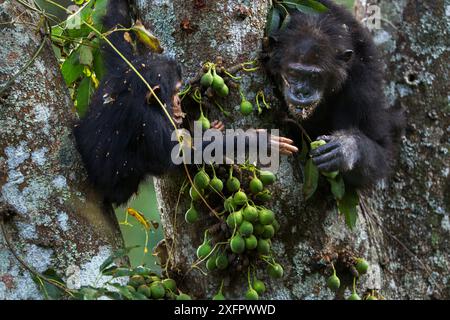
[
  {"x": 57, "y": 221},
  {"x": 415, "y": 208}
]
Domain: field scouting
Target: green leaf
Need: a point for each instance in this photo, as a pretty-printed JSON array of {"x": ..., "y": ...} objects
[
  {"x": 304, "y": 151},
  {"x": 57, "y": 52},
  {"x": 123, "y": 290},
  {"x": 85, "y": 89},
  {"x": 109, "y": 271},
  {"x": 311, "y": 179},
  {"x": 138, "y": 296},
  {"x": 86, "y": 56},
  {"x": 307, "y": 6},
  {"x": 49, "y": 290},
  {"x": 99, "y": 65},
  {"x": 113, "y": 295},
  {"x": 273, "y": 21},
  {"x": 146, "y": 37},
  {"x": 337, "y": 187},
  {"x": 98, "y": 13},
  {"x": 122, "y": 272},
  {"x": 116, "y": 255},
  {"x": 348, "y": 206},
  {"x": 71, "y": 69},
  {"x": 143, "y": 271}
]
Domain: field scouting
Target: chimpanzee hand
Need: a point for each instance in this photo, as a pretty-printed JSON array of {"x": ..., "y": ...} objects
[
  {"x": 341, "y": 153},
  {"x": 217, "y": 125}
]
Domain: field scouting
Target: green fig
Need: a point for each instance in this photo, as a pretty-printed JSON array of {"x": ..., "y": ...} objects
[
  {"x": 250, "y": 213},
  {"x": 267, "y": 177},
  {"x": 268, "y": 232},
  {"x": 256, "y": 186},
  {"x": 218, "y": 81},
  {"x": 223, "y": 91},
  {"x": 259, "y": 286},
  {"x": 201, "y": 180},
  {"x": 263, "y": 247},
  {"x": 246, "y": 228},
  {"x": 275, "y": 271},
  {"x": 240, "y": 198},
  {"x": 222, "y": 261},
  {"x": 354, "y": 296},
  {"x": 333, "y": 282},
  {"x": 207, "y": 79},
  {"x": 251, "y": 294},
  {"x": 234, "y": 219},
  {"x": 158, "y": 290},
  {"x": 195, "y": 194},
  {"x": 145, "y": 290},
  {"x": 362, "y": 266},
  {"x": 237, "y": 244},
  {"x": 169, "y": 284},
  {"x": 266, "y": 216},
  {"x": 219, "y": 296},
  {"x": 204, "y": 250},
  {"x": 184, "y": 296},
  {"x": 216, "y": 184},
  {"x": 191, "y": 215},
  {"x": 251, "y": 242},
  {"x": 233, "y": 184},
  {"x": 246, "y": 107}
]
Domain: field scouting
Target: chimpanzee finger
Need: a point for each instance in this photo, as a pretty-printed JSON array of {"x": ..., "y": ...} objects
[
  {"x": 288, "y": 147},
  {"x": 285, "y": 140},
  {"x": 333, "y": 165},
  {"x": 318, "y": 160},
  {"x": 281, "y": 139},
  {"x": 325, "y": 148}
]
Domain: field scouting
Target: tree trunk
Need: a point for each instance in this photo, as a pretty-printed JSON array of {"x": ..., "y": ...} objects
[
  {"x": 48, "y": 214},
  {"x": 408, "y": 259},
  {"x": 415, "y": 208}
]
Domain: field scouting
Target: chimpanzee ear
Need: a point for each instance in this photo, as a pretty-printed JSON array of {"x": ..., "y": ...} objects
[{"x": 346, "y": 56}]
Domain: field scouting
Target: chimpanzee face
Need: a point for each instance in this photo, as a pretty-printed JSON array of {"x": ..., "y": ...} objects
[
  {"x": 302, "y": 87},
  {"x": 309, "y": 62}
]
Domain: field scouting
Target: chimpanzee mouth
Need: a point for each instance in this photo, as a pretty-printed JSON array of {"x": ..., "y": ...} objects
[{"x": 303, "y": 112}]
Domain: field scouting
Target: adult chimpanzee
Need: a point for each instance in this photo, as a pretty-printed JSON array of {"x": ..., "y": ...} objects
[
  {"x": 125, "y": 135},
  {"x": 329, "y": 75}
]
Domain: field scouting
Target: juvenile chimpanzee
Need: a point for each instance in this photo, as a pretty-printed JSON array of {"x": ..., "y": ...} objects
[
  {"x": 329, "y": 75},
  {"x": 123, "y": 138},
  {"x": 125, "y": 135}
]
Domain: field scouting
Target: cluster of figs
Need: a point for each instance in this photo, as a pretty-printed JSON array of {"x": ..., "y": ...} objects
[
  {"x": 211, "y": 79},
  {"x": 247, "y": 225},
  {"x": 361, "y": 266},
  {"x": 151, "y": 286}
]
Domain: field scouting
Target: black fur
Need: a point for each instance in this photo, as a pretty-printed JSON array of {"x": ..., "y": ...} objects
[
  {"x": 353, "y": 106},
  {"x": 122, "y": 138}
]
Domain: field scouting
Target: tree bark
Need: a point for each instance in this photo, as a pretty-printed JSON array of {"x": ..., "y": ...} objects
[
  {"x": 48, "y": 213},
  {"x": 403, "y": 227},
  {"x": 415, "y": 208}
]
